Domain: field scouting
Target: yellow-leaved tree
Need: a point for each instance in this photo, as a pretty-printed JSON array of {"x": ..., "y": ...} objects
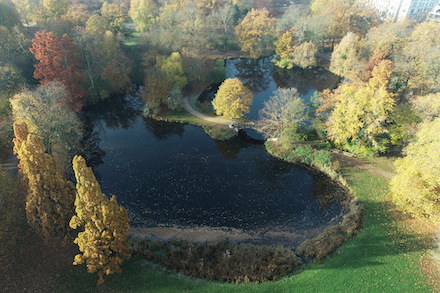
[
  {"x": 416, "y": 186},
  {"x": 232, "y": 99},
  {"x": 284, "y": 49},
  {"x": 359, "y": 112},
  {"x": 49, "y": 201},
  {"x": 103, "y": 242},
  {"x": 254, "y": 32}
]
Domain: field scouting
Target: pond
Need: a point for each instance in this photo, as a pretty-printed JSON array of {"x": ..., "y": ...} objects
[
  {"x": 262, "y": 77},
  {"x": 174, "y": 176}
]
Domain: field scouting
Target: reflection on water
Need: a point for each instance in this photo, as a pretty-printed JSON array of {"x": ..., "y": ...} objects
[
  {"x": 175, "y": 175},
  {"x": 262, "y": 77}
]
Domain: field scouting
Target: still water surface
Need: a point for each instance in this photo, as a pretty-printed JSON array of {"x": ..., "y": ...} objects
[{"x": 175, "y": 175}]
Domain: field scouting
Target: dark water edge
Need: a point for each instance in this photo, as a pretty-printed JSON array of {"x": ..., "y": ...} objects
[{"x": 174, "y": 175}]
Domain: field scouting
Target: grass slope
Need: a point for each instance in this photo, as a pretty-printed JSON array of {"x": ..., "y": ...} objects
[{"x": 383, "y": 257}]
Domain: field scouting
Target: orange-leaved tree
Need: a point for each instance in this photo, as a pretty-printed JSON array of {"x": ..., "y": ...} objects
[
  {"x": 103, "y": 242},
  {"x": 232, "y": 98},
  {"x": 59, "y": 60},
  {"x": 49, "y": 202}
]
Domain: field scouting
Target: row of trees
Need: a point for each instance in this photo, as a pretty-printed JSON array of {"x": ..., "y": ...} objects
[{"x": 52, "y": 200}]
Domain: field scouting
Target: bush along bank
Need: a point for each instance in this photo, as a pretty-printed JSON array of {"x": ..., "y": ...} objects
[
  {"x": 219, "y": 260},
  {"x": 332, "y": 237}
]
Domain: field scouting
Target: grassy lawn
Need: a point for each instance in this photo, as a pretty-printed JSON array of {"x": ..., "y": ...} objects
[
  {"x": 384, "y": 256},
  {"x": 215, "y": 131}
]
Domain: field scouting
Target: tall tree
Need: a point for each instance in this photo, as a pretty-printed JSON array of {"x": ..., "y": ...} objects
[
  {"x": 59, "y": 61},
  {"x": 254, "y": 32},
  {"x": 49, "y": 203},
  {"x": 143, "y": 14},
  {"x": 232, "y": 99},
  {"x": 103, "y": 243}
]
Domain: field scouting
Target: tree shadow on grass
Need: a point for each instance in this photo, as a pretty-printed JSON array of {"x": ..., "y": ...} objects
[{"x": 382, "y": 236}]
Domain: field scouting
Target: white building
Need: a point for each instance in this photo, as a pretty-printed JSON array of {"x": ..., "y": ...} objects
[
  {"x": 398, "y": 10},
  {"x": 435, "y": 14}
]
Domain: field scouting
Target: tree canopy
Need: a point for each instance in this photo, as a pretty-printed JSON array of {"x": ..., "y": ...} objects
[
  {"x": 103, "y": 243},
  {"x": 232, "y": 99}
]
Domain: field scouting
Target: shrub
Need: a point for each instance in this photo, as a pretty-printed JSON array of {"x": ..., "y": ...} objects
[
  {"x": 322, "y": 158},
  {"x": 219, "y": 260}
]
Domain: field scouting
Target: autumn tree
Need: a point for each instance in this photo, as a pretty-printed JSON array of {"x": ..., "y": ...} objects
[
  {"x": 358, "y": 113},
  {"x": 59, "y": 61},
  {"x": 284, "y": 49},
  {"x": 304, "y": 55},
  {"x": 103, "y": 242},
  {"x": 282, "y": 113},
  {"x": 49, "y": 202},
  {"x": 232, "y": 99},
  {"x": 48, "y": 116},
  {"x": 417, "y": 182},
  {"x": 255, "y": 31},
  {"x": 142, "y": 13},
  {"x": 345, "y": 59}
]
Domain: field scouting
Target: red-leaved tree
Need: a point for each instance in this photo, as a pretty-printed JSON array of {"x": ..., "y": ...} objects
[{"x": 59, "y": 61}]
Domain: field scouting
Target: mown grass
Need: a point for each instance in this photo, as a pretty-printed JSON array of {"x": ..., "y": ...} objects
[{"x": 383, "y": 257}]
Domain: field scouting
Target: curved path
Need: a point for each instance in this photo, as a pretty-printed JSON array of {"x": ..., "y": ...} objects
[{"x": 218, "y": 120}]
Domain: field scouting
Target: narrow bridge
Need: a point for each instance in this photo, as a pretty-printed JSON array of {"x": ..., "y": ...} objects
[{"x": 239, "y": 125}]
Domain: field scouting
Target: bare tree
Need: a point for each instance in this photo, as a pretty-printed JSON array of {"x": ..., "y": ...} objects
[{"x": 284, "y": 110}]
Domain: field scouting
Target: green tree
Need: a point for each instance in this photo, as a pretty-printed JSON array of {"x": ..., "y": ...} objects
[
  {"x": 50, "y": 197},
  {"x": 282, "y": 113},
  {"x": 172, "y": 68},
  {"x": 232, "y": 99},
  {"x": 255, "y": 32},
  {"x": 103, "y": 243},
  {"x": 415, "y": 188},
  {"x": 142, "y": 13}
]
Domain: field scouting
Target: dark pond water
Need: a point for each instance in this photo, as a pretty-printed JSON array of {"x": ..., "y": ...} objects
[
  {"x": 169, "y": 174},
  {"x": 263, "y": 78}
]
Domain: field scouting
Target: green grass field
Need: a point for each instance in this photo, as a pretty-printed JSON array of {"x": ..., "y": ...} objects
[{"x": 383, "y": 257}]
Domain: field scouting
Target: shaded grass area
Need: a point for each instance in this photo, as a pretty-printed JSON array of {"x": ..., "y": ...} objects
[{"x": 383, "y": 257}]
